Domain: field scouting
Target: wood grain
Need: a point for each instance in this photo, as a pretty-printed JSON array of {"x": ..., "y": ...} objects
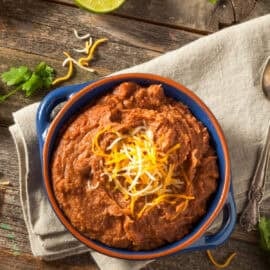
[
  {"x": 43, "y": 26},
  {"x": 32, "y": 31},
  {"x": 26, "y": 261},
  {"x": 12, "y": 57},
  {"x": 43, "y": 36},
  {"x": 198, "y": 16},
  {"x": 15, "y": 235},
  {"x": 249, "y": 257}
]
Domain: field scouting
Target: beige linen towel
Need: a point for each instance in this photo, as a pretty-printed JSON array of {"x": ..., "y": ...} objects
[{"x": 224, "y": 70}]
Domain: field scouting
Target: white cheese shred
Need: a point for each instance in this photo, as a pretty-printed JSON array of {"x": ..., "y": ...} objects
[
  {"x": 78, "y": 64},
  {"x": 136, "y": 167},
  {"x": 86, "y": 36}
]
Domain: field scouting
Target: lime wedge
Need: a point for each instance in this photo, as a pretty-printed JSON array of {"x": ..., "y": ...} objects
[{"x": 100, "y": 6}]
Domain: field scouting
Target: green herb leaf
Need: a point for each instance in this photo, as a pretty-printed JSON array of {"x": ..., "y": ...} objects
[
  {"x": 34, "y": 83},
  {"x": 10, "y": 93},
  {"x": 16, "y": 76},
  {"x": 213, "y": 1},
  {"x": 46, "y": 73},
  {"x": 264, "y": 229},
  {"x": 28, "y": 81}
]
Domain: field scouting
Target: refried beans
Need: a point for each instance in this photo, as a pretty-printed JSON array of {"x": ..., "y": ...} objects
[{"x": 135, "y": 169}]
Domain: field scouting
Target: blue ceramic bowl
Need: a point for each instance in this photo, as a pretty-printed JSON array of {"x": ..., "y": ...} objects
[{"x": 78, "y": 96}]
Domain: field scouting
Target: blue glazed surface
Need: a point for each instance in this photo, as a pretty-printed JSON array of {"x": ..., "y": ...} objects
[{"x": 64, "y": 93}]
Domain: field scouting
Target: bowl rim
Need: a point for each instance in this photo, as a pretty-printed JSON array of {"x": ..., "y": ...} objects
[{"x": 87, "y": 241}]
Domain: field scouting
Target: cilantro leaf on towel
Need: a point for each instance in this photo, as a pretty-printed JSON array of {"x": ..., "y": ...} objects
[{"x": 264, "y": 229}]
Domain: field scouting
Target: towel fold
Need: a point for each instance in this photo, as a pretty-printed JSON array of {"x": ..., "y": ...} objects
[{"x": 224, "y": 70}]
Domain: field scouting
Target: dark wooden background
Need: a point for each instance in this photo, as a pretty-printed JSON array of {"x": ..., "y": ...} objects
[{"x": 34, "y": 31}]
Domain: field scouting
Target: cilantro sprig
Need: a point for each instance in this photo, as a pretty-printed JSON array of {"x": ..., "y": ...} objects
[
  {"x": 264, "y": 229},
  {"x": 27, "y": 81}
]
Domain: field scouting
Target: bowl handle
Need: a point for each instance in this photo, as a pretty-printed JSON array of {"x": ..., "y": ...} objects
[
  {"x": 46, "y": 107},
  {"x": 228, "y": 223}
]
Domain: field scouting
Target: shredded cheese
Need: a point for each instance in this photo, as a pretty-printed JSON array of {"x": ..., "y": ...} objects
[
  {"x": 70, "y": 59},
  {"x": 84, "y": 60},
  {"x": 218, "y": 265},
  {"x": 86, "y": 48},
  {"x": 80, "y": 37},
  {"x": 83, "y": 50},
  {"x": 90, "y": 43},
  {"x": 69, "y": 73},
  {"x": 136, "y": 167},
  {"x": 82, "y": 63}
]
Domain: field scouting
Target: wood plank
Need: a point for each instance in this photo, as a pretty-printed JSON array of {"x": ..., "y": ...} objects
[
  {"x": 251, "y": 237},
  {"x": 197, "y": 15},
  {"x": 249, "y": 257},
  {"x": 8, "y": 161},
  {"x": 9, "y": 260},
  {"x": 13, "y": 234},
  {"x": 43, "y": 36},
  {"x": 9, "y": 58},
  {"x": 43, "y": 26}
]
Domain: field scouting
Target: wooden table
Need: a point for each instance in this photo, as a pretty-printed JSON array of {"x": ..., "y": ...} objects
[{"x": 32, "y": 31}]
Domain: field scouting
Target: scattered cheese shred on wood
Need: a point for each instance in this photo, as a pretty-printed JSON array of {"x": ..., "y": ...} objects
[
  {"x": 85, "y": 60},
  {"x": 83, "y": 50},
  {"x": 87, "y": 46},
  {"x": 80, "y": 37},
  {"x": 77, "y": 64},
  {"x": 69, "y": 73},
  {"x": 136, "y": 167},
  {"x": 82, "y": 63},
  {"x": 218, "y": 265}
]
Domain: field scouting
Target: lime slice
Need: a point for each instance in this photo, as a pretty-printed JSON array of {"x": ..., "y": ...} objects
[{"x": 100, "y": 6}]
